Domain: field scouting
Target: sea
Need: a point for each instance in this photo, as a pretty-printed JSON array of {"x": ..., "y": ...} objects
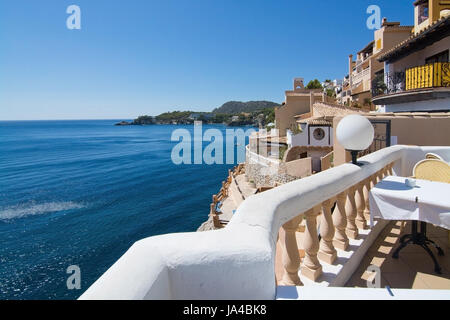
[{"x": 80, "y": 193}]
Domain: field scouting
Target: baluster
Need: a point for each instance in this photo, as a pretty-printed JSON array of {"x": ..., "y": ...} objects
[
  {"x": 366, "y": 190},
  {"x": 311, "y": 267},
  {"x": 360, "y": 206},
  {"x": 290, "y": 257},
  {"x": 380, "y": 175},
  {"x": 327, "y": 252},
  {"x": 372, "y": 183},
  {"x": 350, "y": 211},
  {"x": 373, "y": 180},
  {"x": 340, "y": 240},
  {"x": 385, "y": 171},
  {"x": 390, "y": 169},
  {"x": 301, "y": 226}
]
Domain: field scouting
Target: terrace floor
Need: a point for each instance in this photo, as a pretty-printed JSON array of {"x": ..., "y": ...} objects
[{"x": 413, "y": 270}]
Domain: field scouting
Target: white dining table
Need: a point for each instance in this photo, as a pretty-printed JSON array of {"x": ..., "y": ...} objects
[{"x": 428, "y": 201}]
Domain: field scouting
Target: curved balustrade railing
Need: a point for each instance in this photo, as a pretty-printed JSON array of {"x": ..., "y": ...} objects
[{"x": 237, "y": 262}]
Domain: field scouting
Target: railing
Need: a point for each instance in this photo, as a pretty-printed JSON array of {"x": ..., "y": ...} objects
[
  {"x": 239, "y": 259},
  {"x": 223, "y": 193},
  {"x": 258, "y": 158},
  {"x": 361, "y": 76},
  {"x": 421, "y": 77},
  {"x": 336, "y": 227},
  {"x": 428, "y": 76}
]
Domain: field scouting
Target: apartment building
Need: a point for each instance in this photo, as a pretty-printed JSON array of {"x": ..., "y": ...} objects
[
  {"x": 417, "y": 70},
  {"x": 367, "y": 69}
]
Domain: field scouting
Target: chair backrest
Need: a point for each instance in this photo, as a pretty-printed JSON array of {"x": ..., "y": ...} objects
[
  {"x": 432, "y": 169},
  {"x": 433, "y": 156}
]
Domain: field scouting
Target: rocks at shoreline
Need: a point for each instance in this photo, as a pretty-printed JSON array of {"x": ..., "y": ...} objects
[
  {"x": 208, "y": 225},
  {"x": 124, "y": 123},
  {"x": 142, "y": 120},
  {"x": 233, "y": 113}
]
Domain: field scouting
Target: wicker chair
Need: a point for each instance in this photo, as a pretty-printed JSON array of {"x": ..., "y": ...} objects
[
  {"x": 433, "y": 170},
  {"x": 433, "y": 156}
]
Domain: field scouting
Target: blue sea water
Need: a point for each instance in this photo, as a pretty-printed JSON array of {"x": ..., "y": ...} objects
[{"x": 82, "y": 192}]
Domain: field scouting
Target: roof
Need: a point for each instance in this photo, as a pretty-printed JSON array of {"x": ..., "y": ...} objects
[
  {"x": 369, "y": 47},
  {"x": 322, "y": 109},
  {"x": 323, "y": 113},
  {"x": 321, "y": 121},
  {"x": 417, "y": 2},
  {"x": 438, "y": 30}
]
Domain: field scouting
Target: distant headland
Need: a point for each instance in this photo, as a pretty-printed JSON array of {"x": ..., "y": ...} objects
[{"x": 232, "y": 113}]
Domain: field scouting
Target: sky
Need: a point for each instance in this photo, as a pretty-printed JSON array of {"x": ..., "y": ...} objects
[{"x": 145, "y": 57}]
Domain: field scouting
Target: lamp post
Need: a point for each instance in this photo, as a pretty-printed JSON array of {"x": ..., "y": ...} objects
[{"x": 355, "y": 133}]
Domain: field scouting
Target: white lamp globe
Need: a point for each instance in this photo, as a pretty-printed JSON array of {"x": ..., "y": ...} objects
[{"x": 354, "y": 132}]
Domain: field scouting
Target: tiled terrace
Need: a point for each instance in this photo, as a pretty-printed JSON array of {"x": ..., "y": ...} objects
[{"x": 414, "y": 269}]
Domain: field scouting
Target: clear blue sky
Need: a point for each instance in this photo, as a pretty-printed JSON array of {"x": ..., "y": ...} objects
[{"x": 139, "y": 57}]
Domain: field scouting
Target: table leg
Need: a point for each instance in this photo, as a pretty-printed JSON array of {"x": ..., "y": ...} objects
[
  {"x": 402, "y": 245},
  {"x": 419, "y": 238},
  {"x": 437, "y": 268}
]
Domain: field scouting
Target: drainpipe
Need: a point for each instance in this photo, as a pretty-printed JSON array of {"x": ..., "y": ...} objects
[{"x": 350, "y": 70}]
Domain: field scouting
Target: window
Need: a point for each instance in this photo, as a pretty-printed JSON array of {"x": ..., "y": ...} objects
[
  {"x": 440, "y": 57},
  {"x": 378, "y": 44},
  {"x": 423, "y": 12},
  {"x": 319, "y": 134}
]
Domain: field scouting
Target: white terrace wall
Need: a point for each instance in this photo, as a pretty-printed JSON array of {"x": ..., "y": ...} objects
[
  {"x": 267, "y": 172},
  {"x": 237, "y": 262}
]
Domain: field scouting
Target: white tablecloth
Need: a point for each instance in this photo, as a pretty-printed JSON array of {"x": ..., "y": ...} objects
[{"x": 392, "y": 199}]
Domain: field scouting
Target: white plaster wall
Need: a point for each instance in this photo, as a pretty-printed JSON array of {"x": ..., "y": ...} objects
[
  {"x": 237, "y": 262},
  {"x": 300, "y": 139},
  {"x": 289, "y": 138},
  {"x": 427, "y": 105},
  {"x": 324, "y": 141}
]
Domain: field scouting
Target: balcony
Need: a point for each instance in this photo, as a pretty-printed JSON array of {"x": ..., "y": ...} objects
[
  {"x": 239, "y": 261},
  {"x": 361, "y": 81},
  {"x": 427, "y": 82}
]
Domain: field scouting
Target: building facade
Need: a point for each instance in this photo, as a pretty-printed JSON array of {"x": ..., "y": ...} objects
[
  {"x": 417, "y": 71},
  {"x": 298, "y": 101},
  {"x": 366, "y": 69}
]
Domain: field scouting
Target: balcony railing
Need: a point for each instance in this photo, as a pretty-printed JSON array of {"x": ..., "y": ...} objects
[
  {"x": 238, "y": 262},
  {"x": 361, "y": 76},
  {"x": 421, "y": 77},
  {"x": 428, "y": 76}
]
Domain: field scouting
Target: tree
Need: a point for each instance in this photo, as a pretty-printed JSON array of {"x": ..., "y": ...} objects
[
  {"x": 331, "y": 93},
  {"x": 314, "y": 84}
]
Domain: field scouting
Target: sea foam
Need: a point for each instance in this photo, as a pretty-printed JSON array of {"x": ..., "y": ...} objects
[{"x": 31, "y": 209}]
